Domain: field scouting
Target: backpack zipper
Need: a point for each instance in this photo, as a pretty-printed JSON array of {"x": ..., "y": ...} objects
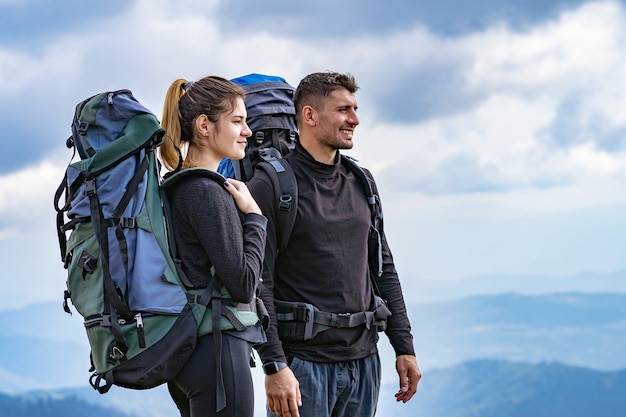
[{"x": 140, "y": 333}]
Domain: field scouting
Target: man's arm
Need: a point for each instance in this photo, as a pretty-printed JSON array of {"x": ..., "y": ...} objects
[
  {"x": 281, "y": 388},
  {"x": 398, "y": 325}
]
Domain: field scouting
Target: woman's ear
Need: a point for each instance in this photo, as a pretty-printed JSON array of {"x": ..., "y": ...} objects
[{"x": 203, "y": 125}]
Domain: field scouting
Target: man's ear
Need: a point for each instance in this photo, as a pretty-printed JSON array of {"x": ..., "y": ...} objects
[{"x": 309, "y": 115}]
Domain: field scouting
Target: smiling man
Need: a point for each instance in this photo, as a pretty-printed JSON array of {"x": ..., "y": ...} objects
[{"x": 321, "y": 358}]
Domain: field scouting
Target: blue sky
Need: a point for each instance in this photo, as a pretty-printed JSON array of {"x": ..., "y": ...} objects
[{"x": 497, "y": 132}]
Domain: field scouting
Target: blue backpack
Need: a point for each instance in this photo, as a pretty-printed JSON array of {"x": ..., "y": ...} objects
[
  {"x": 272, "y": 119},
  {"x": 140, "y": 311}
]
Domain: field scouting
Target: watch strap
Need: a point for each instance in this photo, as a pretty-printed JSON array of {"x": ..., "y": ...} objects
[{"x": 271, "y": 368}]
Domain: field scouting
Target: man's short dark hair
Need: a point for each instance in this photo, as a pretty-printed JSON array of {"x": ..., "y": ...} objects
[{"x": 318, "y": 85}]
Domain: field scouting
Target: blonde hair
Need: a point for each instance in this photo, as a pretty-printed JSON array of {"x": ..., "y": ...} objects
[{"x": 184, "y": 102}]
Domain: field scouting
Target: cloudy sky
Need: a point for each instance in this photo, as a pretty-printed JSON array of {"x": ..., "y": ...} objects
[{"x": 497, "y": 132}]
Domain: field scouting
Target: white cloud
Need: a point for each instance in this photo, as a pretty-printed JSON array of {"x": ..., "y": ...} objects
[
  {"x": 519, "y": 132},
  {"x": 489, "y": 145},
  {"x": 594, "y": 162},
  {"x": 505, "y": 90},
  {"x": 28, "y": 192},
  {"x": 579, "y": 47},
  {"x": 59, "y": 60},
  {"x": 28, "y": 241}
]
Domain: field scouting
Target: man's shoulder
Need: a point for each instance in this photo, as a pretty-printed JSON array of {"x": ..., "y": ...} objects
[
  {"x": 261, "y": 183},
  {"x": 355, "y": 166},
  {"x": 261, "y": 176}
]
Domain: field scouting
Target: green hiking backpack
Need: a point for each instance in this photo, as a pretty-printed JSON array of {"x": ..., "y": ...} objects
[{"x": 141, "y": 313}]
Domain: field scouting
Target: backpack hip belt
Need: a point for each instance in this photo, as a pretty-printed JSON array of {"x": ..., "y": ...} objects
[{"x": 303, "y": 321}]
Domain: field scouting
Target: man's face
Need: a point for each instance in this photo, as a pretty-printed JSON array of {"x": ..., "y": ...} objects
[{"x": 337, "y": 120}]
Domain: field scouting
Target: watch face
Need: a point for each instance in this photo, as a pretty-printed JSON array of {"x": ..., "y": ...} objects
[
  {"x": 270, "y": 368},
  {"x": 273, "y": 367}
]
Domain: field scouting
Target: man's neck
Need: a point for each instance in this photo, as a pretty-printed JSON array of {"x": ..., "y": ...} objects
[{"x": 321, "y": 154}]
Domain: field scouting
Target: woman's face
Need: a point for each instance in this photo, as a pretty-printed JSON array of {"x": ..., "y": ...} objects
[{"x": 231, "y": 132}]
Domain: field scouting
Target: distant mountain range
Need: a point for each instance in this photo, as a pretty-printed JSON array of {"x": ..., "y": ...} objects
[
  {"x": 427, "y": 290},
  {"x": 484, "y": 388},
  {"x": 582, "y": 329},
  {"x": 487, "y": 388},
  {"x": 473, "y": 347},
  {"x": 42, "y": 347},
  {"x": 51, "y": 405}
]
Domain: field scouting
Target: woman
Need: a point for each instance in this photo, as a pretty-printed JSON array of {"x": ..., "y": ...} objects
[{"x": 217, "y": 227}]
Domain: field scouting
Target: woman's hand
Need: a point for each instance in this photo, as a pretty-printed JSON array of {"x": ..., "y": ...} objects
[{"x": 244, "y": 200}]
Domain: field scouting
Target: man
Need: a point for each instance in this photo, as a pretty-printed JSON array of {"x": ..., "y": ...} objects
[{"x": 337, "y": 371}]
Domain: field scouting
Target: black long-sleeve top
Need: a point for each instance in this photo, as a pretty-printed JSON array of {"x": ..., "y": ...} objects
[
  {"x": 326, "y": 263},
  {"x": 209, "y": 233}
]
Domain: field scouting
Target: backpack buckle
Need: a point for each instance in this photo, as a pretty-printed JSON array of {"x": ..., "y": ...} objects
[
  {"x": 90, "y": 187},
  {"x": 82, "y": 128},
  {"x": 284, "y": 203},
  {"x": 128, "y": 222},
  {"x": 259, "y": 137}
]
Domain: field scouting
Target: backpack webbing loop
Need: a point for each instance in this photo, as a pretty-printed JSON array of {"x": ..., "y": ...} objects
[
  {"x": 84, "y": 148},
  {"x": 102, "y": 382}
]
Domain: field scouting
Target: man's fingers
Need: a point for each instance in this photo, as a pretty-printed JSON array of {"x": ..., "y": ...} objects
[
  {"x": 285, "y": 407},
  {"x": 289, "y": 408},
  {"x": 270, "y": 404}
]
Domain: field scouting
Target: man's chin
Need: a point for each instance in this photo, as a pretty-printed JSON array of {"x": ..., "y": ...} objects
[{"x": 346, "y": 144}]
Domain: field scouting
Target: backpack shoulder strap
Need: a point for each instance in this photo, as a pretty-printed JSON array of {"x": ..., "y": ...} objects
[
  {"x": 285, "y": 190},
  {"x": 170, "y": 180},
  {"x": 374, "y": 239},
  {"x": 173, "y": 177},
  {"x": 372, "y": 198}
]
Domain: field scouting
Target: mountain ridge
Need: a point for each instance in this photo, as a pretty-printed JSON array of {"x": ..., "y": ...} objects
[
  {"x": 490, "y": 388},
  {"x": 475, "y": 388}
]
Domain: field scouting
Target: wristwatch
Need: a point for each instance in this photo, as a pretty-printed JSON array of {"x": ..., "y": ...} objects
[{"x": 271, "y": 368}]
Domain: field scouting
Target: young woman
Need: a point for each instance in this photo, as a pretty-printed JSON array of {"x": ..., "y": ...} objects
[{"x": 219, "y": 231}]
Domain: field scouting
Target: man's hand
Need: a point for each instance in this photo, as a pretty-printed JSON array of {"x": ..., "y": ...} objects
[
  {"x": 409, "y": 374},
  {"x": 283, "y": 393}
]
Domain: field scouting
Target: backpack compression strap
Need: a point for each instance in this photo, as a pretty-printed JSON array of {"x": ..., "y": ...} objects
[{"x": 114, "y": 306}]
